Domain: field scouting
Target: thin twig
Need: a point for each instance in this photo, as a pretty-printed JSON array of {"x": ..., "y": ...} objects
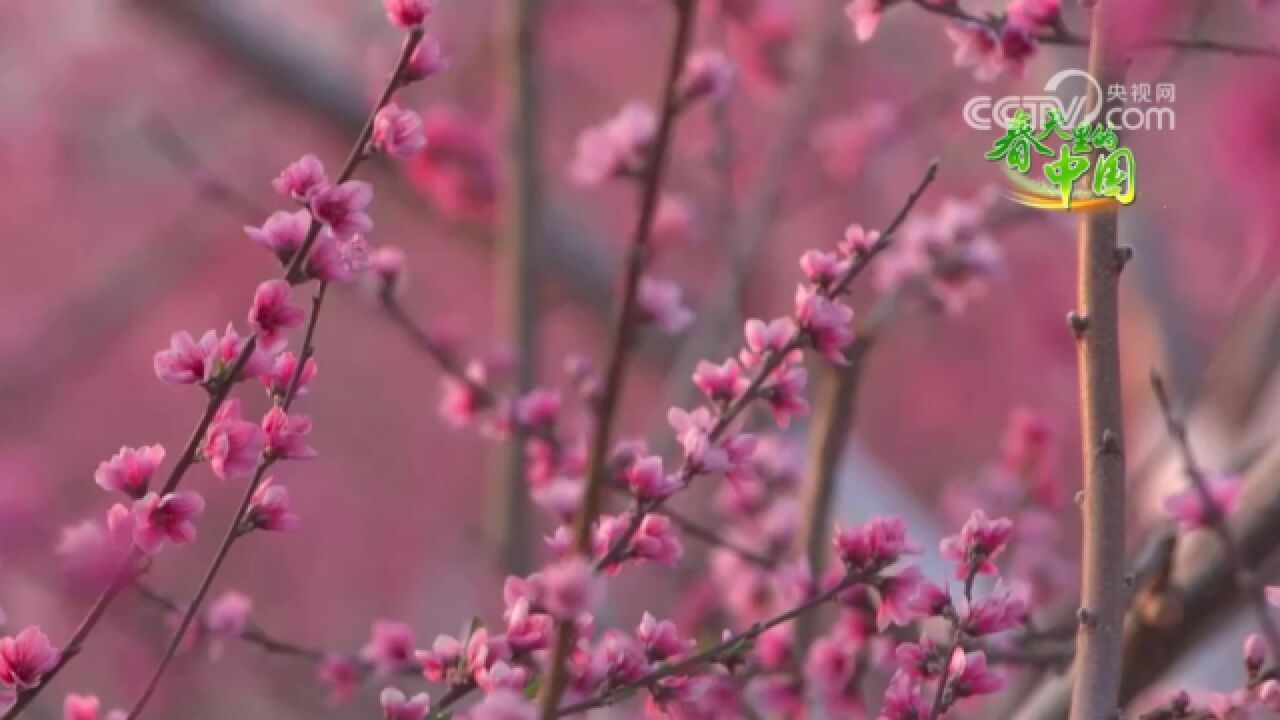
[
  {"x": 1216, "y": 519},
  {"x": 1061, "y": 36},
  {"x": 128, "y": 566},
  {"x": 772, "y": 361},
  {"x": 295, "y": 274},
  {"x": 721, "y": 651},
  {"x": 597, "y": 455}
]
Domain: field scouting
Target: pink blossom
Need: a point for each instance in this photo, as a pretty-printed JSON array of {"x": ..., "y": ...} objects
[
  {"x": 269, "y": 509},
  {"x": 408, "y": 14},
  {"x": 1035, "y": 13},
  {"x": 427, "y": 60},
  {"x": 1017, "y": 46},
  {"x": 979, "y": 541},
  {"x": 560, "y": 496},
  {"x": 865, "y": 16},
  {"x": 395, "y": 706},
  {"x": 25, "y": 658},
  {"x": 659, "y": 303},
  {"x": 273, "y": 312},
  {"x": 660, "y": 639},
  {"x": 340, "y": 674},
  {"x": 930, "y": 601},
  {"x": 94, "y": 553},
  {"x": 708, "y": 74},
  {"x": 1189, "y": 509},
  {"x": 233, "y": 445},
  {"x": 875, "y": 545},
  {"x": 387, "y": 266},
  {"x": 705, "y": 456},
  {"x": 764, "y": 338},
  {"x": 503, "y": 705},
  {"x": 302, "y": 179},
  {"x": 337, "y": 260},
  {"x": 822, "y": 268},
  {"x": 390, "y": 648},
  {"x": 977, "y": 46},
  {"x": 903, "y": 700},
  {"x": 187, "y": 362},
  {"x": 1254, "y": 653},
  {"x": 785, "y": 394},
  {"x": 283, "y": 367},
  {"x": 1273, "y": 595},
  {"x": 616, "y": 148},
  {"x": 858, "y": 242},
  {"x": 129, "y": 471},
  {"x": 443, "y": 656},
  {"x": 463, "y": 401},
  {"x": 398, "y": 132},
  {"x": 515, "y": 588},
  {"x": 85, "y": 707},
  {"x": 1004, "y": 608},
  {"x": 458, "y": 170},
  {"x": 502, "y": 676},
  {"x": 230, "y": 347},
  {"x": 826, "y": 321},
  {"x": 539, "y": 408},
  {"x": 342, "y": 208},
  {"x": 656, "y": 541},
  {"x": 675, "y": 219},
  {"x": 228, "y": 616},
  {"x": 920, "y": 660},
  {"x": 970, "y": 676},
  {"x": 831, "y": 663},
  {"x": 896, "y": 594},
  {"x": 169, "y": 518},
  {"x": 283, "y": 233},
  {"x": 720, "y": 383},
  {"x": 648, "y": 481},
  {"x": 843, "y": 144},
  {"x": 286, "y": 434},
  {"x": 621, "y": 657},
  {"x": 483, "y": 650},
  {"x": 526, "y": 630},
  {"x": 570, "y": 587}
]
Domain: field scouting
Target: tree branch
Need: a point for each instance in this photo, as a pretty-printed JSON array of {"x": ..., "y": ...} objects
[
  {"x": 597, "y": 453},
  {"x": 1096, "y": 327}
]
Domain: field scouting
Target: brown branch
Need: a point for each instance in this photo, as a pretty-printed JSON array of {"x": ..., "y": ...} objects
[
  {"x": 128, "y": 566},
  {"x": 597, "y": 454},
  {"x": 771, "y": 362},
  {"x": 832, "y": 421},
  {"x": 509, "y": 510},
  {"x": 251, "y": 633},
  {"x": 1216, "y": 519},
  {"x": 449, "y": 365},
  {"x": 1096, "y": 327},
  {"x": 236, "y": 529},
  {"x": 723, "y": 650},
  {"x": 1061, "y": 36},
  {"x": 295, "y": 274},
  {"x": 723, "y": 316}
]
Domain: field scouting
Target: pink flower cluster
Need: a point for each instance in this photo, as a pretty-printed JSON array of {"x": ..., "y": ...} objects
[
  {"x": 1023, "y": 485},
  {"x": 948, "y": 257}
]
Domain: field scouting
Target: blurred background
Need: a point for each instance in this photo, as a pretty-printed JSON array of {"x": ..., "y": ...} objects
[{"x": 137, "y": 138}]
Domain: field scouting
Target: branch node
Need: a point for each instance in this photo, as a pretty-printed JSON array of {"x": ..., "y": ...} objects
[
  {"x": 1109, "y": 443},
  {"x": 1124, "y": 254},
  {"x": 1078, "y": 324},
  {"x": 1086, "y": 618}
]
